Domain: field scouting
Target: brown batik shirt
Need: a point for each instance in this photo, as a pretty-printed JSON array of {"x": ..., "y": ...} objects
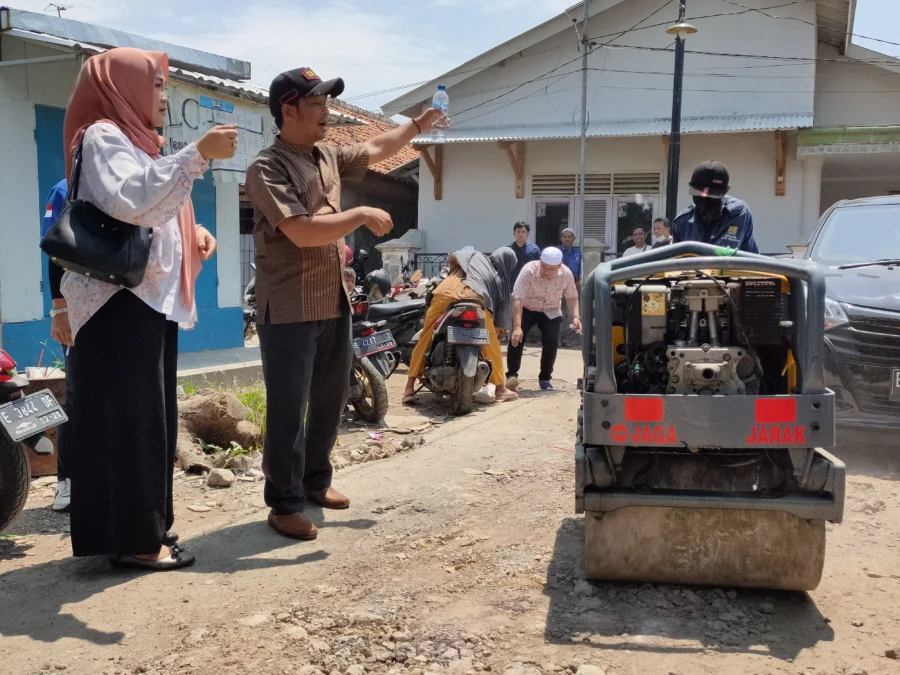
[{"x": 296, "y": 284}]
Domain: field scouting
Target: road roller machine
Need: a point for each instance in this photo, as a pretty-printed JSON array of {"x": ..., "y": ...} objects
[{"x": 701, "y": 445}]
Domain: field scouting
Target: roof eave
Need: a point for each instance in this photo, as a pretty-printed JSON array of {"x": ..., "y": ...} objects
[
  {"x": 408, "y": 104},
  {"x": 77, "y": 31},
  {"x": 877, "y": 59}
]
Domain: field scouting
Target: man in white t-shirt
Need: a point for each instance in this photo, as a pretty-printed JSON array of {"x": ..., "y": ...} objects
[{"x": 639, "y": 235}]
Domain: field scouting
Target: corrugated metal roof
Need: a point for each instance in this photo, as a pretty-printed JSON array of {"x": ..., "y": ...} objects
[
  {"x": 77, "y": 31},
  {"x": 242, "y": 90},
  {"x": 652, "y": 127}
]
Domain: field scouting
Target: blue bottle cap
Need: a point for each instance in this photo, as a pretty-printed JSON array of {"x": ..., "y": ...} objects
[{"x": 441, "y": 87}]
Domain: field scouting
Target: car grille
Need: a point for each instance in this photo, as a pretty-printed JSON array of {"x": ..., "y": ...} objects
[{"x": 869, "y": 349}]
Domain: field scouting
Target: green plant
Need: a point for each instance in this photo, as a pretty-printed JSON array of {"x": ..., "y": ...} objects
[
  {"x": 57, "y": 362},
  {"x": 237, "y": 449},
  {"x": 254, "y": 400},
  {"x": 208, "y": 448}
]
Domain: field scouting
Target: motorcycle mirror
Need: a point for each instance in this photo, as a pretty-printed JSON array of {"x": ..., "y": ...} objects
[{"x": 416, "y": 276}]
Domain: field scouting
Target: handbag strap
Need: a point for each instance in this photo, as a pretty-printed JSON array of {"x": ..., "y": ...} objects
[{"x": 75, "y": 178}]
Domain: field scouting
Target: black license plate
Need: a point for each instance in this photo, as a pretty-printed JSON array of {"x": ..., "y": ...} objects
[
  {"x": 381, "y": 341},
  {"x": 468, "y": 336},
  {"x": 29, "y": 416},
  {"x": 895, "y": 385}
]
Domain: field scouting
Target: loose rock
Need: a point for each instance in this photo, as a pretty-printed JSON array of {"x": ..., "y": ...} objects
[
  {"x": 893, "y": 653},
  {"x": 590, "y": 670},
  {"x": 297, "y": 633},
  {"x": 767, "y": 608},
  {"x": 220, "y": 478},
  {"x": 255, "y": 620}
]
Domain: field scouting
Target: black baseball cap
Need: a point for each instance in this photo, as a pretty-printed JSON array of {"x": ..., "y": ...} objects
[
  {"x": 291, "y": 86},
  {"x": 710, "y": 179}
]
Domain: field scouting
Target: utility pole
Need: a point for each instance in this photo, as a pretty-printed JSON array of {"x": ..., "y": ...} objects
[
  {"x": 681, "y": 30},
  {"x": 585, "y": 47},
  {"x": 59, "y": 8}
]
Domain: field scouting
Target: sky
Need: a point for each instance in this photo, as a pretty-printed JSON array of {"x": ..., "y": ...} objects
[{"x": 373, "y": 44}]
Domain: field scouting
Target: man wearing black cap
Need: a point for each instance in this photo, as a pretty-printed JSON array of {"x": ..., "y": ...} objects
[
  {"x": 303, "y": 312},
  {"x": 715, "y": 218}
]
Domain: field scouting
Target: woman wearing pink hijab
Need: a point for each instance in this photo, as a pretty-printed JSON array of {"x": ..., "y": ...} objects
[{"x": 124, "y": 420}]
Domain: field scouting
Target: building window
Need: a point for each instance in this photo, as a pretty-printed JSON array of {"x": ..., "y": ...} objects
[
  {"x": 614, "y": 204},
  {"x": 248, "y": 248}
]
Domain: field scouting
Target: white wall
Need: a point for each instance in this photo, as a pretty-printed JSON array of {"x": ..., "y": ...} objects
[
  {"x": 229, "y": 249},
  {"x": 479, "y": 205},
  {"x": 21, "y": 88},
  {"x": 854, "y": 94},
  {"x": 21, "y": 298},
  {"x": 750, "y": 86}
]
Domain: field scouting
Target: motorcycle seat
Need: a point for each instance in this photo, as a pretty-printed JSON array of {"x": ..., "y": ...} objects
[{"x": 385, "y": 310}]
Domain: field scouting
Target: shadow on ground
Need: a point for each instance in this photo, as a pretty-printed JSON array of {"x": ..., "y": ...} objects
[
  {"x": 34, "y": 597},
  {"x": 672, "y": 619}
]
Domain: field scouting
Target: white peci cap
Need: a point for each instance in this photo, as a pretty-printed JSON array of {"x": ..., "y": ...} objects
[{"x": 552, "y": 256}]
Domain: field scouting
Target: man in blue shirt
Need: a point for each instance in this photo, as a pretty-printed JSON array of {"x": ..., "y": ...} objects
[
  {"x": 715, "y": 218},
  {"x": 525, "y": 250},
  {"x": 62, "y": 333},
  {"x": 572, "y": 260}
]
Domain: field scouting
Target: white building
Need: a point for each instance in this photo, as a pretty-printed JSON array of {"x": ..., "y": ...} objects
[{"x": 800, "y": 115}]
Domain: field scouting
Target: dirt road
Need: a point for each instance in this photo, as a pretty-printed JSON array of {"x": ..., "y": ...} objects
[{"x": 459, "y": 556}]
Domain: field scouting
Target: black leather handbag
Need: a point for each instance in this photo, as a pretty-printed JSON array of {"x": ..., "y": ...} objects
[{"x": 86, "y": 241}]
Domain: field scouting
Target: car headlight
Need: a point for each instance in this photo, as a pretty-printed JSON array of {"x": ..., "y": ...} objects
[{"x": 834, "y": 314}]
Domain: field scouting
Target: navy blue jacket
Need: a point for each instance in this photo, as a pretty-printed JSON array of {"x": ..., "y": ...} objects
[
  {"x": 525, "y": 254},
  {"x": 733, "y": 229}
]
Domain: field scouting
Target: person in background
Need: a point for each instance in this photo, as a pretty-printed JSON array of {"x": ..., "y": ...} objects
[
  {"x": 572, "y": 260},
  {"x": 122, "y": 445},
  {"x": 639, "y": 236},
  {"x": 473, "y": 276},
  {"x": 359, "y": 264},
  {"x": 525, "y": 250},
  {"x": 304, "y": 317},
  {"x": 537, "y": 301},
  {"x": 62, "y": 333},
  {"x": 662, "y": 233},
  {"x": 716, "y": 217}
]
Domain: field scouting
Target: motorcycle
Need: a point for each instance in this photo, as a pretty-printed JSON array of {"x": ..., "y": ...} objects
[
  {"x": 250, "y": 309},
  {"x": 454, "y": 364},
  {"x": 24, "y": 421},
  {"x": 374, "y": 362}
]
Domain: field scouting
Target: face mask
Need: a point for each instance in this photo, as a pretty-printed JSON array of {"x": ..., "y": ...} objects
[
  {"x": 708, "y": 209},
  {"x": 659, "y": 240}
]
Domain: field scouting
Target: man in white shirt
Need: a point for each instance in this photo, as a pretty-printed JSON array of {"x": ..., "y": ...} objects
[
  {"x": 639, "y": 235},
  {"x": 537, "y": 302}
]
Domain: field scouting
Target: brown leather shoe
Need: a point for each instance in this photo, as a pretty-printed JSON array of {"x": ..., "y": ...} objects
[
  {"x": 293, "y": 525},
  {"x": 329, "y": 498}
]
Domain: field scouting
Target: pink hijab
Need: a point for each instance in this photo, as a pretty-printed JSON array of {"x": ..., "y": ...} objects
[{"x": 117, "y": 87}]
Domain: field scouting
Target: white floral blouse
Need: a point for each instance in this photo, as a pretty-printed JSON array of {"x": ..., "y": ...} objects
[{"x": 127, "y": 184}]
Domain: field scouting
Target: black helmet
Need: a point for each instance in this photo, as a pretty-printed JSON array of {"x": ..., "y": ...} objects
[
  {"x": 363, "y": 254},
  {"x": 377, "y": 285}
]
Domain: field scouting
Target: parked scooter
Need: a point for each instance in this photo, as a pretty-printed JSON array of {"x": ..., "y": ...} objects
[
  {"x": 454, "y": 364},
  {"x": 373, "y": 363},
  {"x": 250, "y": 309},
  {"x": 403, "y": 318},
  {"x": 23, "y": 423}
]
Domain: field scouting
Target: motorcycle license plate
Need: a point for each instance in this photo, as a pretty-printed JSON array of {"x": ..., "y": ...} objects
[
  {"x": 468, "y": 336},
  {"x": 31, "y": 415},
  {"x": 381, "y": 341}
]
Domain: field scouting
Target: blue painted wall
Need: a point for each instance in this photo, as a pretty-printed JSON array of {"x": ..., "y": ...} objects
[{"x": 48, "y": 135}]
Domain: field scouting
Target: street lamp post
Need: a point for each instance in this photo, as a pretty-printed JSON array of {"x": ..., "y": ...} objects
[{"x": 680, "y": 30}]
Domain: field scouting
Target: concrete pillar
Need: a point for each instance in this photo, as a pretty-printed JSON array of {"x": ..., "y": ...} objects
[{"x": 812, "y": 195}]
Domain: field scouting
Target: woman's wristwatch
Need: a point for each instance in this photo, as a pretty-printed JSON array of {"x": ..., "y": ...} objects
[{"x": 56, "y": 312}]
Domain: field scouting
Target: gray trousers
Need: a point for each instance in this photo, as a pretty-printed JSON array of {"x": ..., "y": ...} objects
[{"x": 306, "y": 367}]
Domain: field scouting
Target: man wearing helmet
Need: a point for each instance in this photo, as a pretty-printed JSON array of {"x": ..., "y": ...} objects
[{"x": 716, "y": 217}]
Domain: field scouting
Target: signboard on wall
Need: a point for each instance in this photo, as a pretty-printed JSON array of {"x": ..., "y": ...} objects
[{"x": 194, "y": 110}]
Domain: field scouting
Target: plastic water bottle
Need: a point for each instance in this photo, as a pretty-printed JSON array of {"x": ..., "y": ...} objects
[{"x": 441, "y": 101}]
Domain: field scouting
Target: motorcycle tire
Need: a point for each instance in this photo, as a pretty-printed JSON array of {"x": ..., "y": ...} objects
[
  {"x": 373, "y": 405},
  {"x": 15, "y": 480},
  {"x": 461, "y": 398}
]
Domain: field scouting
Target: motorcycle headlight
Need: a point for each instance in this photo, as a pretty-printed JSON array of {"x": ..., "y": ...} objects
[{"x": 834, "y": 314}]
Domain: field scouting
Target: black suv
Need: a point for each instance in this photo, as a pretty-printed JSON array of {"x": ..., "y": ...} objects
[{"x": 858, "y": 242}]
